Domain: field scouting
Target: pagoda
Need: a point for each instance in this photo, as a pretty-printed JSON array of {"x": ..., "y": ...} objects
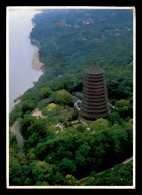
[{"x": 95, "y": 101}]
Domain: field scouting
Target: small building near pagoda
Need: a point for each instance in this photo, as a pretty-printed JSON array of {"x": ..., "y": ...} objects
[{"x": 95, "y": 100}]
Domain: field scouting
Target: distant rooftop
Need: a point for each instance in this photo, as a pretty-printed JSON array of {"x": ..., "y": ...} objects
[{"x": 94, "y": 69}]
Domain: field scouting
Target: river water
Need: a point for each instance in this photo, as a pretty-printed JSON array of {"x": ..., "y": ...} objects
[{"x": 21, "y": 52}]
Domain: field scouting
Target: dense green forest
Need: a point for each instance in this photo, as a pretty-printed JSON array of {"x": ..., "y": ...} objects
[{"x": 69, "y": 42}]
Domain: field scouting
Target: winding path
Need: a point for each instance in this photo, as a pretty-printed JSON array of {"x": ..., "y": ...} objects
[{"x": 15, "y": 130}]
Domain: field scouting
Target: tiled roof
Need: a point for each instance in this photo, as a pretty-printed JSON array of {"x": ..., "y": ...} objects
[{"x": 94, "y": 69}]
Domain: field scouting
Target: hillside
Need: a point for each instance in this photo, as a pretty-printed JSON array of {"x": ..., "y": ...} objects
[{"x": 59, "y": 146}]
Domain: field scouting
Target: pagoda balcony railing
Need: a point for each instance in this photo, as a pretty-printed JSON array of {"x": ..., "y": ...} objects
[
  {"x": 94, "y": 90},
  {"x": 94, "y": 103},
  {"x": 102, "y": 89},
  {"x": 97, "y": 100},
  {"x": 98, "y": 95},
  {"x": 96, "y": 78},
  {"x": 104, "y": 102},
  {"x": 95, "y": 106},
  {"x": 94, "y": 75},
  {"x": 96, "y": 87},
  {"x": 92, "y": 80},
  {"x": 97, "y": 92},
  {"x": 86, "y": 83},
  {"x": 95, "y": 110},
  {"x": 92, "y": 94},
  {"x": 93, "y": 116}
]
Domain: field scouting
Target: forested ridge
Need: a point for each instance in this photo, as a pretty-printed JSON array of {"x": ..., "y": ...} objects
[{"x": 58, "y": 148}]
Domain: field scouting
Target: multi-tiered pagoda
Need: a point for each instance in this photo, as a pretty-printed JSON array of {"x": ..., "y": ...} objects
[{"x": 95, "y": 101}]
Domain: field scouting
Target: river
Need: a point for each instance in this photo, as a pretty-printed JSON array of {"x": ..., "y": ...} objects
[{"x": 20, "y": 53}]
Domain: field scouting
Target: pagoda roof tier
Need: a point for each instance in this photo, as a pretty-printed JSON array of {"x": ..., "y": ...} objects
[
  {"x": 90, "y": 112},
  {"x": 95, "y": 103},
  {"x": 98, "y": 95},
  {"x": 89, "y": 84},
  {"x": 94, "y": 90},
  {"x": 104, "y": 102},
  {"x": 100, "y": 90},
  {"x": 95, "y": 106},
  {"x": 96, "y": 87},
  {"x": 96, "y": 99},
  {"x": 92, "y": 116},
  {"x": 94, "y": 78},
  {"x": 95, "y": 70},
  {"x": 95, "y": 111},
  {"x": 100, "y": 76},
  {"x": 91, "y": 93},
  {"x": 104, "y": 90}
]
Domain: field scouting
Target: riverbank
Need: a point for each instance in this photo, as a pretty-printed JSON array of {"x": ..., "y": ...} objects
[
  {"x": 20, "y": 54},
  {"x": 36, "y": 64}
]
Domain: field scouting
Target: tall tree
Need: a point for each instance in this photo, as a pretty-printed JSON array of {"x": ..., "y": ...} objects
[{"x": 63, "y": 97}]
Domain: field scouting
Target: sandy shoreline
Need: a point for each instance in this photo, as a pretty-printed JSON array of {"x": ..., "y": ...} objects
[{"x": 36, "y": 64}]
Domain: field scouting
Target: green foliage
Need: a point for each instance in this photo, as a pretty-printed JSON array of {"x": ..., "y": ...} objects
[
  {"x": 123, "y": 107},
  {"x": 30, "y": 95},
  {"x": 14, "y": 114},
  {"x": 27, "y": 106},
  {"x": 90, "y": 181},
  {"x": 119, "y": 141},
  {"x": 63, "y": 97},
  {"x": 51, "y": 110},
  {"x": 81, "y": 128},
  {"x": 15, "y": 172},
  {"x": 67, "y": 166},
  {"x": 120, "y": 104},
  {"x": 99, "y": 125},
  {"x": 13, "y": 141},
  {"x": 44, "y": 92},
  {"x": 120, "y": 175},
  {"x": 53, "y": 38},
  {"x": 41, "y": 172},
  {"x": 73, "y": 153},
  {"x": 70, "y": 180},
  {"x": 25, "y": 123},
  {"x": 41, "y": 105},
  {"x": 75, "y": 114},
  {"x": 114, "y": 117},
  {"x": 129, "y": 129},
  {"x": 68, "y": 81},
  {"x": 31, "y": 154},
  {"x": 62, "y": 120}
]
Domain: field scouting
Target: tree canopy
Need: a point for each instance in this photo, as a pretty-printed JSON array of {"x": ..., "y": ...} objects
[{"x": 63, "y": 97}]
